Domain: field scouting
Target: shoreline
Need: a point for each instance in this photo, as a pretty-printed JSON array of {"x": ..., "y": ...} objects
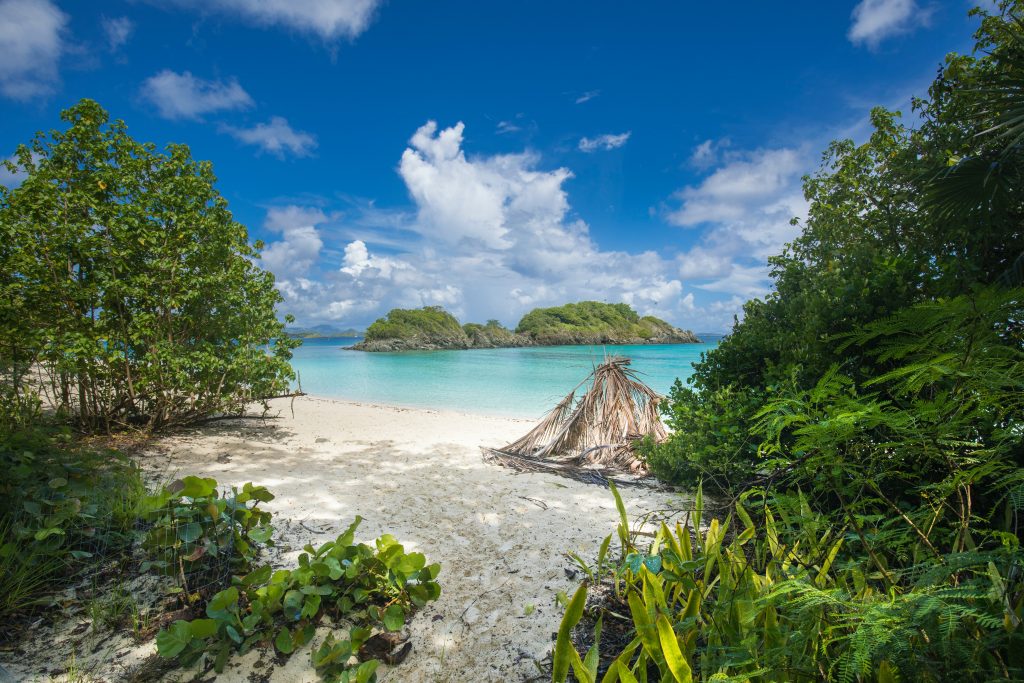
[{"x": 407, "y": 407}]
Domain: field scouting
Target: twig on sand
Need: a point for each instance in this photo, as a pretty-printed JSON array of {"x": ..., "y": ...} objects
[
  {"x": 539, "y": 503},
  {"x": 480, "y": 595}
]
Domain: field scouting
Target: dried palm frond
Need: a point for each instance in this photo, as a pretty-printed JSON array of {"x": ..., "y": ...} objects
[{"x": 599, "y": 428}]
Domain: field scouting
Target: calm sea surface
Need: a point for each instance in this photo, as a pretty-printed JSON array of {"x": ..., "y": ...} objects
[{"x": 515, "y": 382}]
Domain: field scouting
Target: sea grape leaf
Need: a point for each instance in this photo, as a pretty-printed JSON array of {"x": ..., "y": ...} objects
[
  {"x": 394, "y": 618},
  {"x": 196, "y": 487},
  {"x": 173, "y": 639},
  {"x": 284, "y": 641}
]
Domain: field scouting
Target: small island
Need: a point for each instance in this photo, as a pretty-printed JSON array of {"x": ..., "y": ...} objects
[{"x": 583, "y": 323}]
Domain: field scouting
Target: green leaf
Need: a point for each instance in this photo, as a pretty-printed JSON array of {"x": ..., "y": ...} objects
[
  {"x": 195, "y": 487},
  {"x": 366, "y": 670},
  {"x": 563, "y": 643},
  {"x": 674, "y": 657},
  {"x": 173, "y": 639},
  {"x": 222, "y": 600},
  {"x": 293, "y": 600},
  {"x": 284, "y": 641},
  {"x": 394, "y": 617},
  {"x": 190, "y": 532},
  {"x": 203, "y": 628}
]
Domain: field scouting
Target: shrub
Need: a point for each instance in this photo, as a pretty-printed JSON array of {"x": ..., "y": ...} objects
[
  {"x": 370, "y": 587},
  {"x": 202, "y": 537},
  {"x": 63, "y": 508},
  {"x": 791, "y": 597},
  {"x": 710, "y": 439},
  {"x": 125, "y": 278}
]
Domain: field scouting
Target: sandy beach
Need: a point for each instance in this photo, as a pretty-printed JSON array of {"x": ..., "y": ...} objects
[{"x": 501, "y": 537}]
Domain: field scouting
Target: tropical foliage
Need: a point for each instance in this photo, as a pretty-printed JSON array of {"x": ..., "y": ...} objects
[
  {"x": 893, "y": 222},
  {"x": 777, "y": 592},
  {"x": 865, "y": 421},
  {"x": 64, "y": 507},
  {"x": 369, "y": 587},
  {"x": 408, "y": 323},
  {"x": 128, "y": 293},
  {"x": 614, "y": 321}
]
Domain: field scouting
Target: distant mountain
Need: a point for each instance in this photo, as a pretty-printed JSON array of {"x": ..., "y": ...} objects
[
  {"x": 321, "y": 332},
  {"x": 711, "y": 337}
]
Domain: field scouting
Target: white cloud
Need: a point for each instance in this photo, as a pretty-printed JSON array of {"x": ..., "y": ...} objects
[
  {"x": 118, "y": 30},
  {"x": 31, "y": 44},
  {"x": 184, "y": 96},
  {"x": 744, "y": 209},
  {"x": 587, "y": 96},
  {"x": 709, "y": 153},
  {"x": 495, "y": 238},
  {"x": 328, "y": 19},
  {"x": 876, "y": 20},
  {"x": 358, "y": 262},
  {"x": 299, "y": 247},
  {"x": 731, "y": 191},
  {"x": 604, "y": 142},
  {"x": 506, "y": 127},
  {"x": 276, "y": 137}
]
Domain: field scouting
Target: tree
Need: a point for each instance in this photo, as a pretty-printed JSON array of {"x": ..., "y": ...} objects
[
  {"x": 901, "y": 219},
  {"x": 126, "y": 282}
]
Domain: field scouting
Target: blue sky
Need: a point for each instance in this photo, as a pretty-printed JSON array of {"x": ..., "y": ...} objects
[{"x": 490, "y": 157}]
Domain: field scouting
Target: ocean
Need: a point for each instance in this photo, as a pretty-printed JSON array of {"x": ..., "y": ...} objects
[{"x": 525, "y": 382}]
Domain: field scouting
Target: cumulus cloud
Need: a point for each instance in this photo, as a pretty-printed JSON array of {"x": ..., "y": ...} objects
[
  {"x": 31, "y": 44},
  {"x": 494, "y": 237},
  {"x": 184, "y": 96},
  {"x": 118, "y": 30},
  {"x": 276, "y": 137},
  {"x": 294, "y": 255},
  {"x": 744, "y": 207},
  {"x": 328, "y": 19},
  {"x": 604, "y": 142},
  {"x": 876, "y": 20}
]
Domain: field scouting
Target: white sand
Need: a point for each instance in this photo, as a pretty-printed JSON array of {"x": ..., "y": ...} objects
[{"x": 501, "y": 537}]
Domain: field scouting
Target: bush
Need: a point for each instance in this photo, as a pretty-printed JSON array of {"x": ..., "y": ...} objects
[
  {"x": 125, "y": 278},
  {"x": 710, "y": 439},
  {"x": 63, "y": 508},
  {"x": 370, "y": 587},
  {"x": 202, "y": 537}
]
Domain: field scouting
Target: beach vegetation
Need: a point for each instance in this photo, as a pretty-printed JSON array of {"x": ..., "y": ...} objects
[
  {"x": 129, "y": 295},
  {"x": 861, "y": 427},
  {"x": 372, "y": 588},
  {"x": 202, "y": 537},
  {"x": 65, "y": 508}
]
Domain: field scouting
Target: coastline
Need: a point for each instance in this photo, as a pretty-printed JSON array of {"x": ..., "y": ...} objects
[{"x": 416, "y": 473}]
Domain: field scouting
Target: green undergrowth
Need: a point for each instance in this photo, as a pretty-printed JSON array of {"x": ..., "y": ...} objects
[
  {"x": 776, "y": 592},
  {"x": 201, "y": 536},
  {"x": 369, "y": 588},
  {"x": 64, "y": 508}
]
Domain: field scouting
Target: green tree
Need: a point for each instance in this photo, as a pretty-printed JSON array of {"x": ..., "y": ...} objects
[
  {"x": 901, "y": 219},
  {"x": 126, "y": 282}
]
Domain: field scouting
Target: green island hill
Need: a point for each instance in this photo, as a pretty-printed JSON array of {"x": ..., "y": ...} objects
[{"x": 586, "y": 322}]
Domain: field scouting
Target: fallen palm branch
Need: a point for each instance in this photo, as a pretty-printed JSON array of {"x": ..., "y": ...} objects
[{"x": 581, "y": 436}]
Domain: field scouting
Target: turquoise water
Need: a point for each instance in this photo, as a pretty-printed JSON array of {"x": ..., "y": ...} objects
[{"x": 516, "y": 382}]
